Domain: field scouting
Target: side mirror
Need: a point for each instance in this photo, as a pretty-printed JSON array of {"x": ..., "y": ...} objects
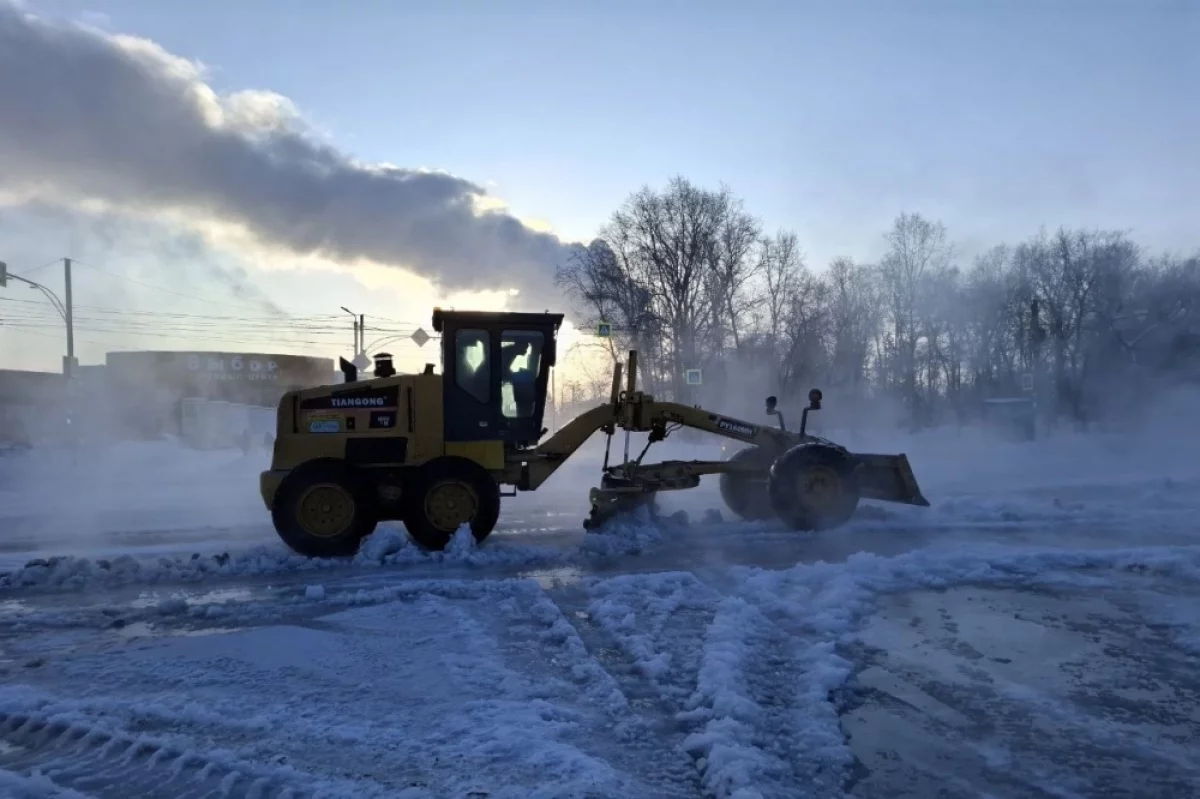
[
  {"x": 773, "y": 411},
  {"x": 814, "y": 404}
]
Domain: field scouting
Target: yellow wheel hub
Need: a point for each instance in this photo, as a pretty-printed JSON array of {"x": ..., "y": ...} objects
[
  {"x": 326, "y": 509},
  {"x": 821, "y": 488},
  {"x": 451, "y": 504}
]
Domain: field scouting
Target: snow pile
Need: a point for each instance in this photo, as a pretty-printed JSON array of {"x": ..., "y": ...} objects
[
  {"x": 387, "y": 546},
  {"x": 78, "y": 573},
  {"x": 390, "y": 546},
  {"x": 630, "y": 533}
]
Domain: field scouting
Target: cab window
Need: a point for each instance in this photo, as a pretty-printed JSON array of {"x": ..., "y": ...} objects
[
  {"x": 472, "y": 363},
  {"x": 520, "y": 361}
]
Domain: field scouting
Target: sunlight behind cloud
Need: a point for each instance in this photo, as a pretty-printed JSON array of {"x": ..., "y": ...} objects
[{"x": 139, "y": 129}]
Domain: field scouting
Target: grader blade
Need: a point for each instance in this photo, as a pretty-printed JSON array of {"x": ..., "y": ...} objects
[
  {"x": 888, "y": 478},
  {"x": 618, "y": 496},
  {"x": 608, "y": 504}
]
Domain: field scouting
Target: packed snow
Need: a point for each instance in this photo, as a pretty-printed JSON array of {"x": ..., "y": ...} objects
[{"x": 1034, "y": 633}]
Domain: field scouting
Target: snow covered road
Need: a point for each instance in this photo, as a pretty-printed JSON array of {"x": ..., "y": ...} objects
[
  {"x": 1010, "y": 672},
  {"x": 1012, "y": 642}
]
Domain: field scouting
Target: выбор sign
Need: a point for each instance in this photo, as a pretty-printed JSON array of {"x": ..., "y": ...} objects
[{"x": 234, "y": 367}]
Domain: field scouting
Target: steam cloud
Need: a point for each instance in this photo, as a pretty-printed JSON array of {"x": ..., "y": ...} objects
[{"x": 85, "y": 115}]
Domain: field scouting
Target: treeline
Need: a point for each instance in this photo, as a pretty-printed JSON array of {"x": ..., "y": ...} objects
[{"x": 690, "y": 279}]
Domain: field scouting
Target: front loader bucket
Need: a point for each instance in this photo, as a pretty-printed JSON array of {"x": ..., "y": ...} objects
[{"x": 888, "y": 478}]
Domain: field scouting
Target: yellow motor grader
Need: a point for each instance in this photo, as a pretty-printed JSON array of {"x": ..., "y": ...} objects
[{"x": 435, "y": 450}]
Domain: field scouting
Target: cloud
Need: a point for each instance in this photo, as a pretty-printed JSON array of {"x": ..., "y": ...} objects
[{"x": 87, "y": 116}]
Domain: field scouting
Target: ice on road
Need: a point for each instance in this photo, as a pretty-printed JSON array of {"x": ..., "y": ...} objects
[{"x": 1019, "y": 639}]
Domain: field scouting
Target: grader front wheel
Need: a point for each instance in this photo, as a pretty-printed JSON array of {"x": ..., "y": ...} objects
[
  {"x": 446, "y": 494},
  {"x": 745, "y": 493},
  {"x": 812, "y": 487}
]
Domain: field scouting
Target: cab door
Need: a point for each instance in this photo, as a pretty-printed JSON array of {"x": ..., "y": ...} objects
[{"x": 471, "y": 388}]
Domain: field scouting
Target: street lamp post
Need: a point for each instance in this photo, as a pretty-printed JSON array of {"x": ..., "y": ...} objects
[
  {"x": 66, "y": 311},
  {"x": 360, "y": 338},
  {"x": 353, "y": 316}
]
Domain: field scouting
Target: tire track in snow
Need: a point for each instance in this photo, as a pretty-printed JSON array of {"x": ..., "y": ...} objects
[
  {"x": 715, "y": 679},
  {"x": 506, "y": 698},
  {"x": 645, "y": 744},
  {"x": 621, "y": 621},
  {"x": 103, "y": 764}
]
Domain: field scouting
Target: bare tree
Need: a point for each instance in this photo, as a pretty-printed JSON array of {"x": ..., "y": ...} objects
[
  {"x": 601, "y": 282},
  {"x": 916, "y": 248},
  {"x": 686, "y": 276},
  {"x": 854, "y": 317},
  {"x": 781, "y": 266},
  {"x": 673, "y": 270}
]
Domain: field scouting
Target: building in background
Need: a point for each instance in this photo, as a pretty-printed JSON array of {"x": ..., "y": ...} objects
[
  {"x": 139, "y": 395},
  {"x": 24, "y": 400},
  {"x": 148, "y": 388}
]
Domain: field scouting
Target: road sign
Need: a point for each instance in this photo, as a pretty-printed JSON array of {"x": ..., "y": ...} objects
[
  {"x": 1027, "y": 381},
  {"x": 420, "y": 337},
  {"x": 604, "y": 329},
  {"x": 361, "y": 361},
  {"x": 692, "y": 377}
]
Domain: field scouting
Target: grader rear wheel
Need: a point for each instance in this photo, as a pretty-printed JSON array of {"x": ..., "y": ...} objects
[
  {"x": 447, "y": 493},
  {"x": 324, "y": 509},
  {"x": 812, "y": 487}
]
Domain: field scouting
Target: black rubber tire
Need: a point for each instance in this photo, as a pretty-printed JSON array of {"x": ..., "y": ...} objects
[
  {"x": 747, "y": 497},
  {"x": 487, "y": 491},
  {"x": 791, "y": 505},
  {"x": 292, "y": 489}
]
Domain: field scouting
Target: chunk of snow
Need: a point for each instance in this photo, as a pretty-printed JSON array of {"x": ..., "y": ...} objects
[{"x": 314, "y": 592}]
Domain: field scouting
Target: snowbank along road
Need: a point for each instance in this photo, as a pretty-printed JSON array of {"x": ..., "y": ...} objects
[{"x": 1034, "y": 634}]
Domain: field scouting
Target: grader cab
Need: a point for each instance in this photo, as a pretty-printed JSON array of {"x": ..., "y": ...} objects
[{"x": 434, "y": 450}]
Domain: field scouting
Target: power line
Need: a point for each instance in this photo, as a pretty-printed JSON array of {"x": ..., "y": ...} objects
[
  {"x": 46, "y": 265},
  {"x": 128, "y": 279},
  {"x": 31, "y": 310},
  {"x": 28, "y": 317},
  {"x": 48, "y": 335}
]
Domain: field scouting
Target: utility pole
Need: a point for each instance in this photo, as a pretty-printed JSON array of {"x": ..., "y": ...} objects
[
  {"x": 553, "y": 400},
  {"x": 69, "y": 318},
  {"x": 360, "y": 338}
]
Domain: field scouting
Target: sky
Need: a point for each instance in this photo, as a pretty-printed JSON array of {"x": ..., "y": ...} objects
[{"x": 251, "y": 188}]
